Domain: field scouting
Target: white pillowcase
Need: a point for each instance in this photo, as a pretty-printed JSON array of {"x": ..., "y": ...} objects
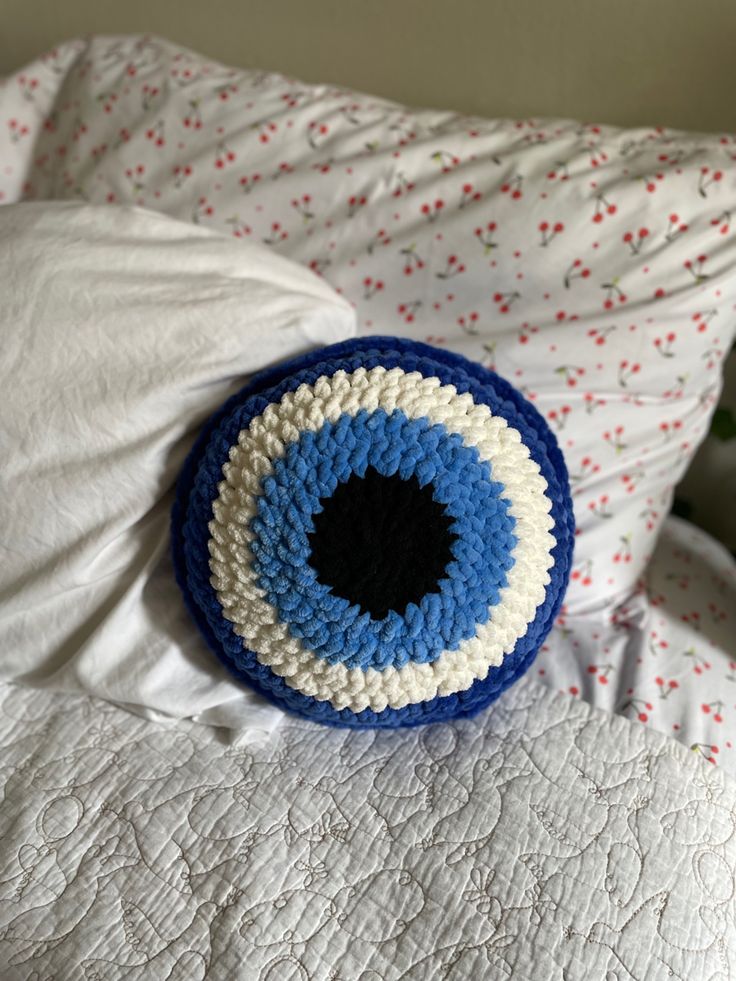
[{"x": 122, "y": 330}]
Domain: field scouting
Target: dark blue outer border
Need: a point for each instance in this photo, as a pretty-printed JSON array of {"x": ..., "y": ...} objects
[{"x": 196, "y": 490}]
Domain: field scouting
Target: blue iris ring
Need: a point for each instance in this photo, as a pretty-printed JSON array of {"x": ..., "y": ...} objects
[
  {"x": 330, "y": 626},
  {"x": 197, "y": 489}
]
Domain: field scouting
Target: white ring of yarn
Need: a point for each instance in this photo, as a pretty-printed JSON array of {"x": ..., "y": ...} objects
[{"x": 244, "y": 603}]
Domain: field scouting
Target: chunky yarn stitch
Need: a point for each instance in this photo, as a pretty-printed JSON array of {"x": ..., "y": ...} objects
[
  {"x": 381, "y": 542},
  {"x": 376, "y": 534}
]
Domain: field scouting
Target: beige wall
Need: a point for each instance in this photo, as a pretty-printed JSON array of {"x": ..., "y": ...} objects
[{"x": 622, "y": 61}]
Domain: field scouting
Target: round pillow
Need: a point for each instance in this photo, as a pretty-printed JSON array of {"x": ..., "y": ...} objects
[{"x": 378, "y": 533}]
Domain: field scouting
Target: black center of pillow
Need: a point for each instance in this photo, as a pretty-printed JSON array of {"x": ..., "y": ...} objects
[{"x": 381, "y": 542}]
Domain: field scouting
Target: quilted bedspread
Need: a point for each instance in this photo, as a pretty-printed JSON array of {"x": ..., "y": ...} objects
[{"x": 542, "y": 840}]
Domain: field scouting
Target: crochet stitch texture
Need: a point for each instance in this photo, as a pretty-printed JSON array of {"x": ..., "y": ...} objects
[{"x": 298, "y": 493}]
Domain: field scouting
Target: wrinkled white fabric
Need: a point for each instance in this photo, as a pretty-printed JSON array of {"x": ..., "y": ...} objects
[{"x": 122, "y": 330}]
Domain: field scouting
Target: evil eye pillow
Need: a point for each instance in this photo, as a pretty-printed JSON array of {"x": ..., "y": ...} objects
[{"x": 378, "y": 534}]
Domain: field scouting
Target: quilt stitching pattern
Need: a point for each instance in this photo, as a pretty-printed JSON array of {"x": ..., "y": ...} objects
[{"x": 541, "y": 840}]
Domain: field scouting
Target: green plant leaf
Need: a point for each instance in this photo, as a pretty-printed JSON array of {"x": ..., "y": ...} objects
[
  {"x": 682, "y": 508},
  {"x": 723, "y": 426}
]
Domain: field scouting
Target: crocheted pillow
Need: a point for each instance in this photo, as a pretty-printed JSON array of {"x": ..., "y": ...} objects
[{"x": 376, "y": 534}]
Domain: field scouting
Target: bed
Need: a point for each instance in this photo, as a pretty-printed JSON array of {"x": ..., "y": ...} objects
[{"x": 584, "y": 825}]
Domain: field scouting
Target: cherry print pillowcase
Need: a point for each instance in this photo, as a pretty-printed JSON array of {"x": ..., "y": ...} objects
[{"x": 594, "y": 267}]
